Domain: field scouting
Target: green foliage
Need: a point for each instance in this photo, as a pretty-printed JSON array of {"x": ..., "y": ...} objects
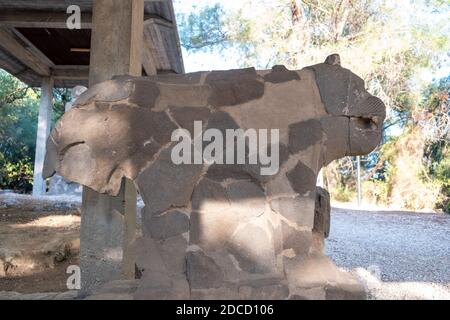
[
  {"x": 17, "y": 176},
  {"x": 203, "y": 29},
  {"x": 343, "y": 194},
  {"x": 11, "y": 89},
  {"x": 376, "y": 191},
  {"x": 18, "y": 121},
  {"x": 436, "y": 126},
  {"x": 19, "y": 108},
  {"x": 442, "y": 172}
]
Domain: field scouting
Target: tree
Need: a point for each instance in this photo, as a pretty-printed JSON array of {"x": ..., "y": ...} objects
[
  {"x": 19, "y": 108},
  {"x": 389, "y": 44},
  {"x": 18, "y": 121}
]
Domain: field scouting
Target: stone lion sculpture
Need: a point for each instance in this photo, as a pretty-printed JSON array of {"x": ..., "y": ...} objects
[{"x": 223, "y": 230}]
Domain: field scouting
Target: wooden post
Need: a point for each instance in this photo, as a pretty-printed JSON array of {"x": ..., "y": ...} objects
[
  {"x": 43, "y": 131},
  {"x": 108, "y": 224}
]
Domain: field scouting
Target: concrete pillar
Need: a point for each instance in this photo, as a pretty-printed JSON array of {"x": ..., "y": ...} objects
[
  {"x": 108, "y": 224},
  {"x": 43, "y": 131}
]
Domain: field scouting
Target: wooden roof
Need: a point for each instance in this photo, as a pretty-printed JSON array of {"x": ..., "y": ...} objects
[{"x": 34, "y": 41}]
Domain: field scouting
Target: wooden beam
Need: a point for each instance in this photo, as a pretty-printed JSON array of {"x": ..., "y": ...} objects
[
  {"x": 177, "y": 36},
  {"x": 40, "y": 19},
  {"x": 52, "y": 19},
  {"x": 45, "y": 4},
  {"x": 51, "y": 4},
  {"x": 157, "y": 19},
  {"x": 33, "y": 49},
  {"x": 154, "y": 47},
  {"x": 19, "y": 49},
  {"x": 60, "y": 72}
]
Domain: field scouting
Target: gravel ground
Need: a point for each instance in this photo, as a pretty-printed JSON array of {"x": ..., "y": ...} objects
[{"x": 399, "y": 255}]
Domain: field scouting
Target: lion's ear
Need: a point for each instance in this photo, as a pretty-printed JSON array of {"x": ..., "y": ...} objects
[{"x": 333, "y": 60}]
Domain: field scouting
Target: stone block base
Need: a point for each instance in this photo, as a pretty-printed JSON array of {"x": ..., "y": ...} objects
[{"x": 312, "y": 277}]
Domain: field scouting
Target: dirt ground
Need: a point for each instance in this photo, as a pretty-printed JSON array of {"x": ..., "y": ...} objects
[{"x": 36, "y": 248}]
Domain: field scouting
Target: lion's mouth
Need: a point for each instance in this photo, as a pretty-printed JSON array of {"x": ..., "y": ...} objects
[
  {"x": 368, "y": 123},
  {"x": 370, "y": 114}
]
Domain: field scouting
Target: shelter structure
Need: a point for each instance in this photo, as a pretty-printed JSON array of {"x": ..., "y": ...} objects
[
  {"x": 37, "y": 47},
  {"x": 116, "y": 37}
]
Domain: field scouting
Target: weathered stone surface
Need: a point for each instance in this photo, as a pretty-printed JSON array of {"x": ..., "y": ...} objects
[
  {"x": 240, "y": 223},
  {"x": 212, "y": 220},
  {"x": 307, "y": 293},
  {"x": 254, "y": 170},
  {"x": 336, "y": 142},
  {"x": 210, "y": 196},
  {"x": 10, "y": 296},
  {"x": 295, "y": 209},
  {"x": 110, "y": 296},
  {"x": 220, "y": 173},
  {"x": 165, "y": 225},
  {"x": 299, "y": 241},
  {"x": 184, "y": 79},
  {"x": 316, "y": 270},
  {"x": 281, "y": 105},
  {"x": 164, "y": 184},
  {"x": 233, "y": 87},
  {"x": 185, "y": 116},
  {"x": 281, "y": 74},
  {"x": 178, "y": 289},
  {"x": 364, "y": 135},
  {"x": 115, "y": 290},
  {"x": 108, "y": 91},
  {"x": 333, "y": 59},
  {"x": 247, "y": 199},
  {"x": 341, "y": 91},
  {"x": 304, "y": 134},
  {"x": 278, "y": 291},
  {"x": 302, "y": 179},
  {"x": 107, "y": 144},
  {"x": 322, "y": 212},
  {"x": 202, "y": 271},
  {"x": 150, "y": 263},
  {"x": 226, "y": 292},
  {"x": 186, "y": 96},
  {"x": 158, "y": 281},
  {"x": 212, "y": 229},
  {"x": 247, "y": 171},
  {"x": 343, "y": 94},
  {"x": 253, "y": 248},
  {"x": 173, "y": 254},
  {"x": 145, "y": 93}
]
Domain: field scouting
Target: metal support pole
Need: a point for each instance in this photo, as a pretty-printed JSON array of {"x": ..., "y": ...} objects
[{"x": 358, "y": 176}]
